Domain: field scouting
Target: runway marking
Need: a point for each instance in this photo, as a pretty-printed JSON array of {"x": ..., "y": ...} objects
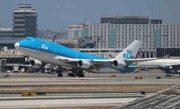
[{"x": 42, "y": 105}]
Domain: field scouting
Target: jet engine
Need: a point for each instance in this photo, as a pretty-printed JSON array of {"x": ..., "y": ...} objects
[
  {"x": 83, "y": 64},
  {"x": 119, "y": 64},
  {"x": 36, "y": 63},
  {"x": 166, "y": 68}
]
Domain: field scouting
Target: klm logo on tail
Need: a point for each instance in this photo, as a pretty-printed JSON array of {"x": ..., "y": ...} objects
[
  {"x": 128, "y": 55},
  {"x": 129, "y": 51}
]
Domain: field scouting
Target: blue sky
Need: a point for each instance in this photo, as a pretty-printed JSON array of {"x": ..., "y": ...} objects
[{"x": 58, "y": 14}]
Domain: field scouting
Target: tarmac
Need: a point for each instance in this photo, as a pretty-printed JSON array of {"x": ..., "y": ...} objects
[{"x": 93, "y": 91}]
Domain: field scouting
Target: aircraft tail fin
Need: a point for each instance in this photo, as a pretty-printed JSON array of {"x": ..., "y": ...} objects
[
  {"x": 54, "y": 38},
  {"x": 130, "y": 52}
]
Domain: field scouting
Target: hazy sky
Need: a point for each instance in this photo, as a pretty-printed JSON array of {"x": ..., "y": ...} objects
[{"x": 57, "y": 14}]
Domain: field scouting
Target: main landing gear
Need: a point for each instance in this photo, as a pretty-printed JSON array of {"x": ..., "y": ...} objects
[
  {"x": 168, "y": 72},
  {"x": 59, "y": 71},
  {"x": 76, "y": 72}
]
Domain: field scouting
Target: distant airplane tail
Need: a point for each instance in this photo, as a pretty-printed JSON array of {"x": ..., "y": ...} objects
[{"x": 130, "y": 52}]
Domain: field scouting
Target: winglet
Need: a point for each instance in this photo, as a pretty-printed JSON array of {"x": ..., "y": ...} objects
[{"x": 130, "y": 52}]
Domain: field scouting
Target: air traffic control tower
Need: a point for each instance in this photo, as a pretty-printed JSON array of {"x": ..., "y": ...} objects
[{"x": 25, "y": 19}]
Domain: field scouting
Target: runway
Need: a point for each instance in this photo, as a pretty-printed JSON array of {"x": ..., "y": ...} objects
[
  {"x": 63, "y": 102},
  {"x": 92, "y": 90}
]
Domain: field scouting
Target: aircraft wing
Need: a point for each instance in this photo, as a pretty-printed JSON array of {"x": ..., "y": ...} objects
[
  {"x": 126, "y": 60},
  {"x": 139, "y": 60},
  {"x": 65, "y": 59},
  {"x": 99, "y": 63},
  {"x": 93, "y": 64},
  {"x": 93, "y": 61}
]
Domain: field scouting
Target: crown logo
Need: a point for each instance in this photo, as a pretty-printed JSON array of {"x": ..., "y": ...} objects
[
  {"x": 129, "y": 51},
  {"x": 43, "y": 46}
]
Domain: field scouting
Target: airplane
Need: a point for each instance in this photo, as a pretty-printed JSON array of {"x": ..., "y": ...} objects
[
  {"x": 44, "y": 52},
  {"x": 163, "y": 63}
]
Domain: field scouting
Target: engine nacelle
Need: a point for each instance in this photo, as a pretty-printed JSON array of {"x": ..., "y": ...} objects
[
  {"x": 166, "y": 68},
  {"x": 83, "y": 64},
  {"x": 36, "y": 63},
  {"x": 119, "y": 64}
]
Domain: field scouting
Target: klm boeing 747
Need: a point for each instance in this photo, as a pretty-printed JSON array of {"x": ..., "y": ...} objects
[{"x": 48, "y": 52}]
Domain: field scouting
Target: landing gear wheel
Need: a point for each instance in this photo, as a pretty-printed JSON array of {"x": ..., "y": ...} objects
[
  {"x": 69, "y": 74},
  {"x": 60, "y": 74},
  {"x": 73, "y": 74},
  {"x": 43, "y": 70},
  {"x": 81, "y": 75},
  {"x": 77, "y": 74}
]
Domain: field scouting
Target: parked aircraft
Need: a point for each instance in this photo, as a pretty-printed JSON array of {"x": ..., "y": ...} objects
[
  {"x": 163, "y": 64},
  {"x": 44, "y": 52}
]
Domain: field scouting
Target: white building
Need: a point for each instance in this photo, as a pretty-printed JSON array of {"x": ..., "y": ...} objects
[
  {"x": 121, "y": 35},
  {"x": 75, "y": 31}
]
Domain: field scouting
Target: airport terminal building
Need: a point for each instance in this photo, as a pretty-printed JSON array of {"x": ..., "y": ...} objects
[
  {"x": 118, "y": 32},
  {"x": 24, "y": 24}
]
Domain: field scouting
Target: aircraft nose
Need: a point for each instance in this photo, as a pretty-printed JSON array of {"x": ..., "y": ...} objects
[{"x": 16, "y": 45}]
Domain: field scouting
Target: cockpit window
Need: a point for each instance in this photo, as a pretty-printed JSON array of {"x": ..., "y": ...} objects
[{"x": 27, "y": 38}]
